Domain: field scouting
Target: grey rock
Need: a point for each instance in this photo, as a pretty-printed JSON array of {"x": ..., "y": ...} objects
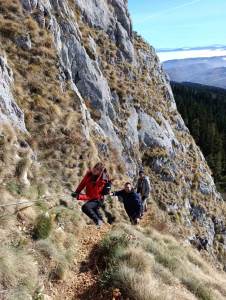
[
  {"x": 40, "y": 18},
  {"x": 219, "y": 225},
  {"x": 115, "y": 22},
  {"x": 198, "y": 213},
  {"x": 93, "y": 47},
  {"x": 132, "y": 133},
  {"x": 151, "y": 134},
  {"x": 187, "y": 205},
  {"x": 24, "y": 42},
  {"x": 166, "y": 168},
  {"x": 180, "y": 126},
  {"x": 205, "y": 189},
  {"x": 122, "y": 15},
  {"x": 210, "y": 231},
  {"x": 109, "y": 130},
  {"x": 96, "y": 13},
  {"x": 172, "y": 208},
  {"x": 103, "y": 149},
  {"x": 29, "y": 4},
  {"x": 124, "y": 43},
  {"x": 167, "y": 175},
  {"x": 157, "y": 165},
  {"x": 115, "y": 100},
  {"x": 87, "y": 76},
  {"x": 9, "y": 110},
  {"x": 201, "y": 243}
]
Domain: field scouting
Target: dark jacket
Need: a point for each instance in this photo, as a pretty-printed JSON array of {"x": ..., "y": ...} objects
[{"x": 132, "y": 202}]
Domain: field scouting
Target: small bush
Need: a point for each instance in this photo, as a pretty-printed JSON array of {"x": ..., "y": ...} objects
[
  {"x": 112, "y": 246},
  {"x": 43, "y": 227},
  {"x": 14, "y": 187},
  {"x": 59, "y": 249}
]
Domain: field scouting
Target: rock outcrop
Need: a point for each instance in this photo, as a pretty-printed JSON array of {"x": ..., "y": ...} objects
[{"x": 9, "y": 110}]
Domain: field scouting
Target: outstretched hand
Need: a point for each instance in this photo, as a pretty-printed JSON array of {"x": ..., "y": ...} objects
[{"x": 74, "y": 194}]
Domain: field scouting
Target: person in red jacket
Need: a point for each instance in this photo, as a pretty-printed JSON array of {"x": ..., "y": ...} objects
[{"x": 93, "y": 183}]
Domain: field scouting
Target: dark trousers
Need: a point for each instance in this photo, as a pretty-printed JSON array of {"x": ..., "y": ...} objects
[
  {"x": 133, "y": 218},
  {"x": 91, "y": 209}
]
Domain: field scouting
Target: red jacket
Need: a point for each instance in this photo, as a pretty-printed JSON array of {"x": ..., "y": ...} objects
[{"x": 93, "y": 188}]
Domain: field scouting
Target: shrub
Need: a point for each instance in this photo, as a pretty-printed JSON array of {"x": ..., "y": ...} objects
[
  {"x": 59, "y": 249},
  {"x": 111, "y": 247},
  {"x": 42, "y": 227}
]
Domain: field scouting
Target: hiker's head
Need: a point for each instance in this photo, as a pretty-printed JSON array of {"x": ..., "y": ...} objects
[
  {"x": 141, "y": 174},
  {"x": 128, "y": 187},
  {"x": 98, "y": 168}
]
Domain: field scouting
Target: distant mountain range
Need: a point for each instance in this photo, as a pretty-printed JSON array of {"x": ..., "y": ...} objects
[
  {"x": 204, "y": 65},
  {"x": 212, "y": 47}
]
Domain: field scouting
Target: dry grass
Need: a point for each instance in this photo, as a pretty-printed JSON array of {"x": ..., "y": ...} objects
[
  {"x": 59, "y": 249},
  {"x": 149, "y": 265},
  {"x": 18, "y": 272}
]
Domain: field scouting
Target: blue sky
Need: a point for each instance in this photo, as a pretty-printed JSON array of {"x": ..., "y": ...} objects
[{"x": 180, "y": 23}]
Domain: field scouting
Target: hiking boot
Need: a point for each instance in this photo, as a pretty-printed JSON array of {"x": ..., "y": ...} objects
[
  {"x": 99, "y": 223},
  {"x": 136, "y": 221}
]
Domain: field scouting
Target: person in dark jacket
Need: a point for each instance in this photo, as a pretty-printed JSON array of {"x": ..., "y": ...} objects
[
  {"x": 93, "y": 183},
  {"x": 132, "y": 202}
]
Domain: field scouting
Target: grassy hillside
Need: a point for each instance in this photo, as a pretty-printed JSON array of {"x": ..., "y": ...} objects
[{"x": 145, "y": 264}]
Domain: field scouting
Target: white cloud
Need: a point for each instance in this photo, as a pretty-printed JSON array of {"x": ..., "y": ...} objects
[{"x": 164, "y": 56}]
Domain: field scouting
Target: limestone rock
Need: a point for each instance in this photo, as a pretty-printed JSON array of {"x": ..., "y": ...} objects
[
  {"x": 24, "y": 42},
  {"x": 9, "y": 111},
  {"x": 151, "y": 134}
]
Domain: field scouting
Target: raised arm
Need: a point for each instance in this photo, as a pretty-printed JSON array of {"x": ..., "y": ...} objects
[
  {"x": 117, "y": 193},
  {"x": 82, "y": 184}
]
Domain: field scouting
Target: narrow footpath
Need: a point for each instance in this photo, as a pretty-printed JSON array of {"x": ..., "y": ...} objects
[{"x": 82, "y": 282}]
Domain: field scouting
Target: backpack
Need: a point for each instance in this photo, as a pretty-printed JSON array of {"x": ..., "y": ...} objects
[{"x": 107, "y": 188}]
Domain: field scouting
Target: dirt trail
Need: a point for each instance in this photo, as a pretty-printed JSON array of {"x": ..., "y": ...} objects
[
  {"x": 83, "y": 279},
  {"x": 82, "y": 282}
]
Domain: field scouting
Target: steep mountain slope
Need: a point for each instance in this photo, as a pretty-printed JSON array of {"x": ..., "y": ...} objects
[{"x": 77, "y": 86}]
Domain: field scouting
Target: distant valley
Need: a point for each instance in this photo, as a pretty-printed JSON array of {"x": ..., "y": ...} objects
[{"x": 205, "y": 65}]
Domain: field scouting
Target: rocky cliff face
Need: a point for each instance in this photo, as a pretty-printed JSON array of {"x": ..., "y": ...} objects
[
  {"x": 9, "y": 109},
  {"x": 90, "y": 88}
]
